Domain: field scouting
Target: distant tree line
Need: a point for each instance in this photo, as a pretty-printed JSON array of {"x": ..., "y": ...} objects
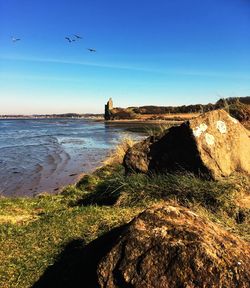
[
  {"x": 238, "y": 107},
  {"x": 197, "y": 108},
  {"x": 64, "y": 115}
]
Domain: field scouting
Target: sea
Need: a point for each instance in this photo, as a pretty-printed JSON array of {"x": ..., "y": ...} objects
[{"x": 44, "y": 155}]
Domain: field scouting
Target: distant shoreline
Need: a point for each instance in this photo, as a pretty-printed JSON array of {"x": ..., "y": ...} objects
[
  {"x": 48, "y": 117},
  {"x": 143, "y": 122},
  {"x": 102, "y": 120}
]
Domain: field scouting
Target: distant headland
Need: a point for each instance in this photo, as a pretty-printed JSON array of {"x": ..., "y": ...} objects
[
  {"x": 54, "y": 116},
  {"x": 239, "y": 107}
]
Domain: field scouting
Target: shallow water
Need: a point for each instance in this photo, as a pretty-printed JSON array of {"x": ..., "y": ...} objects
[{"x": 45, "y": 154}]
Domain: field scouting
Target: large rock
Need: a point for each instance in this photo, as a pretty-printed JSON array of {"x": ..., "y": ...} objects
[
  {"x": 170, "y": 247},
  {"x": 213, "y": 145}
]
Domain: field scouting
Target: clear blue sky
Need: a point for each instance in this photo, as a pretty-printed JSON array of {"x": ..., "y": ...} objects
[{"x": 161, "y": 52}]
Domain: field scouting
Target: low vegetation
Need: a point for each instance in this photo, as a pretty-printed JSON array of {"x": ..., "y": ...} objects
[
  {"x": 238, "y": 107},
  {"x": 34, "y": 231},
  {"x": 220, "y": 201},
  {"x": 28, "y": 245}
]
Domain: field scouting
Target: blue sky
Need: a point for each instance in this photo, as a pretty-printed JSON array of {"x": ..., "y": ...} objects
[{"x": 157, "y": 52}]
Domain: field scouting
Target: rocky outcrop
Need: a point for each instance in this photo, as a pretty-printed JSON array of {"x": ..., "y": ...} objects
[
  {"x": 170, "y": 246},
  {"x": 213, "y": 145}
]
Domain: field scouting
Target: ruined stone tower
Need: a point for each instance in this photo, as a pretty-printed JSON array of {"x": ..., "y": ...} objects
[{"x": 108, "y": 108}]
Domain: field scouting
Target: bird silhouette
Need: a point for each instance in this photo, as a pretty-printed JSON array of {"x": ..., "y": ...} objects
[
  {"x": 69, "y": 39},
  {"x": 14, "y": 39},
  {"x": 91, "y": 49},
  {"x": 77, "y": 36}
]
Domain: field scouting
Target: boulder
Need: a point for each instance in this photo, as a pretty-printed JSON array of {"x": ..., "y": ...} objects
[
  {"x": 170, "y": 246},
  {"x": 213, "y": 145}
]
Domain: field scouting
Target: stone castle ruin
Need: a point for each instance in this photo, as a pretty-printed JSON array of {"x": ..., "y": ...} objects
[{"x": 108, "y": 108}]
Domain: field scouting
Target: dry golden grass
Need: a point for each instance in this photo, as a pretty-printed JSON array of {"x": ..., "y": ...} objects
[
  {"x": 16, "y": 215},
  {"x": 17, "y": 219},
  {"x": 157, "y": 118},
  {"x": 180, "y": 116},
  {"x": 116, "y": 156},
  {"x": 242, "y": 183},
  {"x": 244, "y": 201}
]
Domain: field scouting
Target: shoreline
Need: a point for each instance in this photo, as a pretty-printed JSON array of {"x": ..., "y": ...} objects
[
  {"x": 143, "y": 122},
  {"x": 54, "y": 163},
  {"x": 55, "y": 118},
  {"x": 55, "y": 183},
  {"x": 56, "y": 189}
]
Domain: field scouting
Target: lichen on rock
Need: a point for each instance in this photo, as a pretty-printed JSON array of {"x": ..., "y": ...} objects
[
  {"x": 210, "y": 145},
  {"x": 221, "y": 126},
  {"x": 209, "y": 139}
]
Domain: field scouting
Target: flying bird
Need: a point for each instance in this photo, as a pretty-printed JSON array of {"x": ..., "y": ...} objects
[
  {"x": 14, "y": 39},
  {"x": 91, "y": 49},
  {"x": 69, "y": 39},
  {"x": 77, "y": 36}
]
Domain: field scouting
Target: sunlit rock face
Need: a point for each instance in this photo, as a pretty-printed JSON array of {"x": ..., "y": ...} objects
[
  {"x": 170, "y": 246},
  {"x": 213, "y": 145},
  {"x": 225, "y": 145}
]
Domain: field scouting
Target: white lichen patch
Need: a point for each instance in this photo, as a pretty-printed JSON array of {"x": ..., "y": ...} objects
[
  {"x": 209, "y": 139},
  {"x": 197, "y": 131},
  {"x": 203, "y": 127},
  {"x": 235, "y": 121},
  {"x": 221, "y": 126}
]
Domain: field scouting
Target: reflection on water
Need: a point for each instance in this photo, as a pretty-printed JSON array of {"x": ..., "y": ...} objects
[{"x": 43, "y": 155}]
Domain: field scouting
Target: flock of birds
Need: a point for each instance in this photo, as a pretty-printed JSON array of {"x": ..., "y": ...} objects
[{"x": 74, "y": 38}]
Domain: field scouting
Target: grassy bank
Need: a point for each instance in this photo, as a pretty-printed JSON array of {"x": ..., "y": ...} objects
[{"x": 34, "y": 231}]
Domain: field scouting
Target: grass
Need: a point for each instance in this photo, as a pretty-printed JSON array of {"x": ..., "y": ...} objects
[
  {"x": 220, "y": 201},
  {"x": 158, "y": 130},
  {"x": 136, "y": 189},
  {"x": 118, "y": 154},
  {"x": 29, "y": 246},
  {"x": 34, "y": 231}
]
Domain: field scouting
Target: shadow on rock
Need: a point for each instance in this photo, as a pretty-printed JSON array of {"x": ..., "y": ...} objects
[{"x": 77, "y": 264}]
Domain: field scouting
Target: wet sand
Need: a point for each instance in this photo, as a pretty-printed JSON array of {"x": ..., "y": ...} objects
[{"x": 38, "y": 156}]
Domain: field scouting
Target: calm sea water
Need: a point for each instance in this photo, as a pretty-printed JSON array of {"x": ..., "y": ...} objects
[{"x": 44, "y": 155}]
